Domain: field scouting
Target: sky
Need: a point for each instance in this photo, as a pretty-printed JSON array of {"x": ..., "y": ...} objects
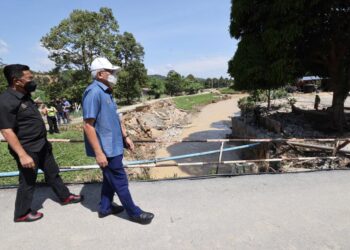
[{"x": 188, "y": 36}]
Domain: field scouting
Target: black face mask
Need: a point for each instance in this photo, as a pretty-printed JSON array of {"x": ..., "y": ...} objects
[{"x": 30, "y": 86}]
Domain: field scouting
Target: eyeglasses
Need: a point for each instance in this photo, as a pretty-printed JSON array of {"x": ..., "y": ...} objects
[{"x": 109, "y": 71}]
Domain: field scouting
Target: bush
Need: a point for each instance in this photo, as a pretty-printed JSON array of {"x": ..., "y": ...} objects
[
  {"x": 193, "y": 87},
  {"x": 246, "y": 103},
  {"x": 227, "y": 91},
  {"x": 279, "y": 93}
]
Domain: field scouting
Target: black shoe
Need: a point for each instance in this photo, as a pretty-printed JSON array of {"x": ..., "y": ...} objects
[
  {"x": 29, "y": 217},
  {"x": 73, "y": 198},
  {"x": 115, "y": 209},
  {"x": 143, "y": 218}
]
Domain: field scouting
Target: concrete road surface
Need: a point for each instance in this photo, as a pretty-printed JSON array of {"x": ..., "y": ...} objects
[{"x": 291, "y": 211}]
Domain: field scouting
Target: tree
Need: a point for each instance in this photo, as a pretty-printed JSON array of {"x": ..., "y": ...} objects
[
  {"x": 129, "y": 54},
  {"x": 128, "y": 49},
  {"x": 157, "y": 86},
  {"x": 130, "y": 81},
  {"x": 84, "y": 35},
  {"x": 73, "y": 44},
  {"x": 282, "y": 40},
  {"x": 209, "y": 83},
  {"x": 68, "y": 83},
  {"x": 173, "y": 83},
  {"x": 3, "y": 82},
  {"x": 191, "y": 85}
]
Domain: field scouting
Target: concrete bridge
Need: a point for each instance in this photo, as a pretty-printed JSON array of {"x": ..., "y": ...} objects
[{"x": 290, "y": 211}]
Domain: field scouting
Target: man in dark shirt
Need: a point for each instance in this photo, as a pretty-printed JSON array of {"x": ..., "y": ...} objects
[
  {"x": 60, "y": 113},
  {"x": 22, "y": 126}
]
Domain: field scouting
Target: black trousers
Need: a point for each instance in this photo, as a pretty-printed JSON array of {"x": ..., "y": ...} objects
[
  {"x": 45, "y": 161},
  {"x": 52, "y": 121}
]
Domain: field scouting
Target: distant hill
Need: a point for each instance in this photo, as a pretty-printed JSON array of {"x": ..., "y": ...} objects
[{"x": 157, "y": 76}]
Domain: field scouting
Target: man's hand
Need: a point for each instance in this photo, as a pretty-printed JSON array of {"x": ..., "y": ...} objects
[
  {"x": 12, "y": 139},
  {"x": 129, "y": 144},
  {"x": 26, "y": 161},
  {"x": 101, "y": 160}
]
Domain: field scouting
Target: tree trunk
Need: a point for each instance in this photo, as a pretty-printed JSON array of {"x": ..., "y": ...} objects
[
  {"x": 340, "y": 76},
  {"x": 341, "y": 90},
  {"x": 268, "y": 99},
  {"x": 338, "y": 115}
]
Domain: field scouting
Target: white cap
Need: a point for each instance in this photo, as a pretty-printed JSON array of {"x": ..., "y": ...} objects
[{"x": 103, "y": 63}]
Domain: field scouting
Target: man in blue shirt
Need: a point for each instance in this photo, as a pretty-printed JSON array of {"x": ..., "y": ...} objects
[{"x": 104, "y": 140}]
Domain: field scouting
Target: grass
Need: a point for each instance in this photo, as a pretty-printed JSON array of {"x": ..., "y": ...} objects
[
  {"x": 227, "y": 91},
  {"x": 70, "y": 133},
  {"x": 190, "y": 103},
  {"x": 66, "y": 154},
  {"x": 73, "y": 154}
]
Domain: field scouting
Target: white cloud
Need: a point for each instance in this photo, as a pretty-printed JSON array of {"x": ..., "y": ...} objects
[
  {"x": 40, "y": 48},
  {"x": 215, "y": 66},
  {"x": 4, "y": 48},
  {"x": 43, "y": 64},
  {"x": 42, "y": 61}
]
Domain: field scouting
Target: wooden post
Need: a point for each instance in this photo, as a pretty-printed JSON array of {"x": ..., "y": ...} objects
[{"x": 220, "y": 157}]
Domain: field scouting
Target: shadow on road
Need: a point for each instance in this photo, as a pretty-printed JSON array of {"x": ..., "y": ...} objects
[
  {"x": 92, "y": 196},
  {"x": 43, "y": 193}
]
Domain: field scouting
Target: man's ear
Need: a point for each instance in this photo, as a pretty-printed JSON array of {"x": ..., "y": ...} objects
[
  {"x": 98, "y": 75},
  {"x": 15, "y": 82}
]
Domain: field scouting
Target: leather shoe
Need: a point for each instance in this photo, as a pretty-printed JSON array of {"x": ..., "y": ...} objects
[
  {"x": 143, "y": 218},
  {"x": 29, "y": 217},
  {"x": 115, "y": 209},
  {"x": 73, "y": 198}
]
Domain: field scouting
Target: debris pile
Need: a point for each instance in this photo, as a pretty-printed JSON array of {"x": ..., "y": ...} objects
[
  {"x": 293, "y": 125},
  {"x": 160, "y": 121}
]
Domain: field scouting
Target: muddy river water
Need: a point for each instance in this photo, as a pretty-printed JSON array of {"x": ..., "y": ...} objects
[{"x": 212, "y": 122}]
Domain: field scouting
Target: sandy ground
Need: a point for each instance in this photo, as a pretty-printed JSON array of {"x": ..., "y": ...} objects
[
  {"x": 212, "y": 122},
  {"x": 309, "y": 99}
]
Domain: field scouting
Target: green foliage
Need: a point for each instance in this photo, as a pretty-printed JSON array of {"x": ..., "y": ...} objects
[
  {"x": 130, "y": 81},
  {"x": 3, "y": 82},
  {"x": 73, "y": 44},
  {"x": 72, "y": 134},
  {"x": 282, "y": 40},
  {"x": 81, "y": 37},
  {"x": 279, "y": 93},
  {"x": 66, "y": 154},
  {"x": 228, "y": 91},
  {"x": 40, "y": 94},
  {"x": 68, "y": 83},
  {"x": 191, "y": 85},
  {"x": 260, "y": 95},
  {"x": 191, "y": 102},
  {"x": 128, "y": 50},
  {"x": 157, "y": 86},
  {"x": 217, "y": 83},
  {"x": 7, "y": 163},
  {"x": 133, "y": 76},
  {"x": 246, "y": 103},
  {"x": 173, "y": 83}
]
